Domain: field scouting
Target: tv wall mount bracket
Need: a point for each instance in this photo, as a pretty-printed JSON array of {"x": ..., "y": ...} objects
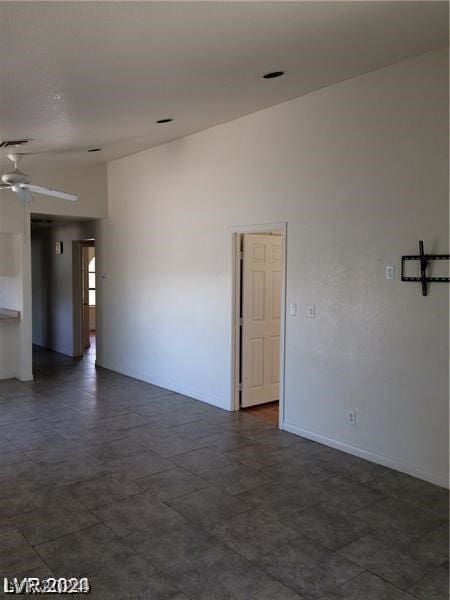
[{"x": 424, "y": 260}]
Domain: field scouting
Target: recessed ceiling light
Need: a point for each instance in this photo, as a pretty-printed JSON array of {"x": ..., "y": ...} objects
[
  {"x": 164, "y": 120},
  {"x": 273, "y": 74},
  {"x": 94, "y": 149}
]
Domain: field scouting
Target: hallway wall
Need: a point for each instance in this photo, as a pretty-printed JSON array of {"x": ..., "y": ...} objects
[{"x": 52, "y": 285}]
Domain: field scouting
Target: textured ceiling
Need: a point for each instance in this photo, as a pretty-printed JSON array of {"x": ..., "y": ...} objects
[{"x": 76, "y": 75}]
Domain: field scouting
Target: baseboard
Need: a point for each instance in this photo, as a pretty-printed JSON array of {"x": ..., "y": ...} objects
[
  {"x": 438, "y": 479},
  {"x": 20, "y": 377},
  {"x": 7, "y": 376},
  {"x": 173, "y": 386},
  {"x": 25, "y": 377},
  {"x": 69, "y": 354}
]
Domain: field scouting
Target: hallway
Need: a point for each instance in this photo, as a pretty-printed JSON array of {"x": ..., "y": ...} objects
[{"x": 153, "y": 495}]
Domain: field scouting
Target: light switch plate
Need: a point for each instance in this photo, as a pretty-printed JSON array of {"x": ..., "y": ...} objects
[
  {"x": 390, "y": 271},
  {"x": 293, "y": 310}
]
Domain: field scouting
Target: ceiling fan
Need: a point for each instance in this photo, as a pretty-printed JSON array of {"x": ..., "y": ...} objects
[{"x": 20, "y": 183}]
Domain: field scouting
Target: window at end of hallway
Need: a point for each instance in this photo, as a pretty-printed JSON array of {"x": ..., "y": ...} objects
[{"x": 91, "y": 271}]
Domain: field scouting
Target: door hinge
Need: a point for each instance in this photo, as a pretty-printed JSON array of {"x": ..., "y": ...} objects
[
  {"x": 241, "y": 255},
  {"x": 241, "y": 322},
  {"x": 240, "y": 387}
]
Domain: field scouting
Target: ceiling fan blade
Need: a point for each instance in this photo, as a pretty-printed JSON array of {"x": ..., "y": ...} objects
[
  {"x": 27, "y": 197},
  {"x": 5, "y": 186},
  {"x": 23, "y": 193},
  {"x": 48, "y": 192}
]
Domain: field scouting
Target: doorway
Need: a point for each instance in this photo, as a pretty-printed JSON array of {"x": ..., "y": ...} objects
[
  {"x": 259, "y": 321},
  {"x": 85, "y": 299}
]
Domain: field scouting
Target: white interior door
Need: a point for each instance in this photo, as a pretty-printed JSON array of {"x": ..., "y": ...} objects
[{"x": 261, "y": 304}]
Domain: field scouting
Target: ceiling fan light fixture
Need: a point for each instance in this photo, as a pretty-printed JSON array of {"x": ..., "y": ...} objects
[{"x": 273, "y": 74}]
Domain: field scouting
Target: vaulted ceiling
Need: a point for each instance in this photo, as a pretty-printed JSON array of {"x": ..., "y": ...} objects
[{"x": 78, "y": 75}]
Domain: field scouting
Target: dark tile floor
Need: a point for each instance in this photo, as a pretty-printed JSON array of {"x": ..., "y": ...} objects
[{"x": 156, "y": 496}]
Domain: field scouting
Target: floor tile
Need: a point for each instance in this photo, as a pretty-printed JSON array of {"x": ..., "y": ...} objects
[
  {"x": 285, "y": 500},
  {"x": 86, "y": 552},
  {"x": 228, "y": 577},
  {"x": 198, "y": 429},
  {"x": 175, "y": 543},
  {"x": 171, "y": 484},
  {"x": 136, "y": 514},
  {"x": 256, "y": 456},
  {"x": 367, "y": 587},
  {"x": 227, "y": 440},
  {"x": 51, "y": 522},
  {"x": 252, "y": 533},
  {"x": 307, "y": 568},
  {"x": 276, "y": 438},
  {"x": 392, "y": 557},
  {"x": 139, "y": 465},
  {"x": 16, "y": 553},
  {"x": 167, "y": 445},
  {"x": 236, "y": 478},
  {"x": 201, "y": 460},
  {"x": 290, "y": 473},
  {"x": 178, "y": 417},
  {"x": 331, "y": 527},
  {"x": 438, "y": 540},
  {"x": 102, "y": 491},
  {"x": 119, "y": 448},
  {"x": 434, "y": 586},
  {"x": 11, "y": 457},
  {"x": 118, "y": 478},
  {"x": 414, "y": 491},
  {"x": 352, "y": 467},
  {"x": 348, "y": 494},
  {"x": 133, "y": 582},
  {"x": 20, "y": 500},
  {"x": 393, "y": 514},
  {"x": 209, "y": 505},
  {"x": 276, "y": 591}
]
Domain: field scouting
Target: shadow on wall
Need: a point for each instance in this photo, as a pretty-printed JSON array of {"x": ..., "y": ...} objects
[{"x": 42, "y": 297}]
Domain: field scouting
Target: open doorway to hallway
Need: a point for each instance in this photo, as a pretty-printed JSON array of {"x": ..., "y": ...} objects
[
  {"x": 64, "y": 295},
  {"x": 259, "y": 322},
  {"x": 84, "y": 299},
  {"x": 88, "y": 299}
]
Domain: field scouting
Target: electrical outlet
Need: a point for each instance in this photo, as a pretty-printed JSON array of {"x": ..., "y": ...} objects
[
  {"x": 312, "y": 311},
  {"x": 352, "y": 417}
]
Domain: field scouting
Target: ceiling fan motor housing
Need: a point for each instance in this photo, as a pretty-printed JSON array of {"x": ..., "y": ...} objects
[{"x": 16, "y": 178}]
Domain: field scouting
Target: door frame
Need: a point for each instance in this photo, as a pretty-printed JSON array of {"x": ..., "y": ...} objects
[
  {"x": 77, "y": 262},
  {"x": 236, "y": 233}
]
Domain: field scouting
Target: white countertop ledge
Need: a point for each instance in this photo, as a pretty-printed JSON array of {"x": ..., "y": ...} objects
[{"x": 7, "y": 315}]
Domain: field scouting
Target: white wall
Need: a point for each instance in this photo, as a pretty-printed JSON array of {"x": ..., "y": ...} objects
[
  {"x": 359, "y": 172},
  {"x": 87, "y": 181},
  {"x": 52, "y": 285},
  {"x": 15, "y": 336},
  {"x": 11, "y": 297}
]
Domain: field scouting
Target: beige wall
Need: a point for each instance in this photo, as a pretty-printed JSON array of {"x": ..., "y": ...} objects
[{"x": 358, "y": 170}]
